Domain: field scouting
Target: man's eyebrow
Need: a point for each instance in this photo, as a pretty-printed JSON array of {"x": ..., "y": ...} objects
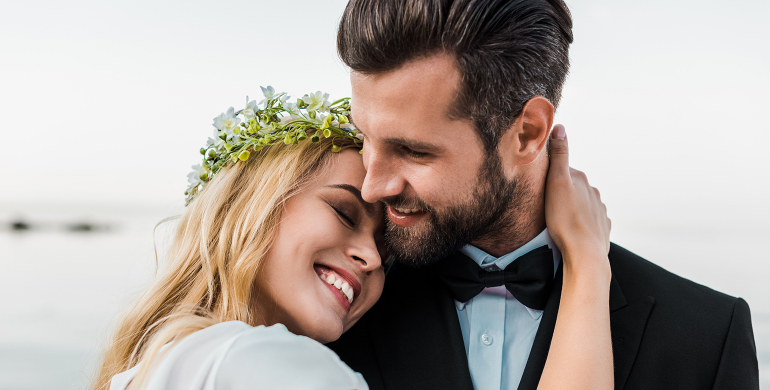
[
  {"x": 411, "y": 144},
  {"x": 368, "y": 207}
]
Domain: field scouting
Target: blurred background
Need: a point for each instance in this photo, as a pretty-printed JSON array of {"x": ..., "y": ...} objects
[{"x": 105, "y": 105}]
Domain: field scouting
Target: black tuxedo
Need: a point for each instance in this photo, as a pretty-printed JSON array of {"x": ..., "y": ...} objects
[{"x": 667, "y": 333}]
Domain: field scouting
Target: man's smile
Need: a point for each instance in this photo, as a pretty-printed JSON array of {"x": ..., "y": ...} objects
[{"x": 405, "y": 217}]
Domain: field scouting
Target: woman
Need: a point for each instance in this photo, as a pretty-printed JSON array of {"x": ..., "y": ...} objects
[{"x": 280, "y": 253}]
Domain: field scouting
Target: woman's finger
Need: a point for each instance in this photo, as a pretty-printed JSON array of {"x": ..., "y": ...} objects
[{"x": 559, "y": 153}]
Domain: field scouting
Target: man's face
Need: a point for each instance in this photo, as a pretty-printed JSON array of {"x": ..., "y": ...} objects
[{"x": 441, "y": 188}]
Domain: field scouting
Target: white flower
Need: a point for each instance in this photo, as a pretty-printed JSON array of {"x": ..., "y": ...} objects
[
  {"x": 200, "y": 185},
  {"x": 317, "y": 101},
  {"x": 194, "y": 177},
  {"x": 292, "y": 109},
  {"x": 214, "y": 141},
  {"x": 251, "y": 109},
  {"x": 269, "y": 93},
  {"x": 226, "y": 121},
  {"x": 217, "y": 141},
  {"x": 232, "y": 138}
]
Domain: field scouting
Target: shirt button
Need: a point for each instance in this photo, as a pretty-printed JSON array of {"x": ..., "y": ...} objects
[{"x": 486, "y": 339}]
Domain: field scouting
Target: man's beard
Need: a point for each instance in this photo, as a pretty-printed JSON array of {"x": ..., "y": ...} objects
[{"x": 487, "y": 212}]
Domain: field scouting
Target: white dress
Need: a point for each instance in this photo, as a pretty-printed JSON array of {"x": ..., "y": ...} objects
[{"x": 234, "y": 355}]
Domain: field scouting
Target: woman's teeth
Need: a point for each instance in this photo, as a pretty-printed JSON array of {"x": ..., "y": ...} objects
[{"x": 339, "y": 284}]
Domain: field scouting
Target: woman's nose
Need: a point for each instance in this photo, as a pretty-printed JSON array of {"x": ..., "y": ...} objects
[{"x": 366, "y": 255}]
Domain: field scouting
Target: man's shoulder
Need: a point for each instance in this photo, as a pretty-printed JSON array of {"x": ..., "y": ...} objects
[
  {"x": 689, "y": 335},
  {"x": 639, "y": 278}
]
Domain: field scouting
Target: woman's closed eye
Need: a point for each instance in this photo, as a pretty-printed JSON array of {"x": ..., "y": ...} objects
[{"x": 346, "y": 219}]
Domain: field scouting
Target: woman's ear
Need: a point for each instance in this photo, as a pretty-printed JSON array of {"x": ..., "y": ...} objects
[{"x": 527, "y": 137}]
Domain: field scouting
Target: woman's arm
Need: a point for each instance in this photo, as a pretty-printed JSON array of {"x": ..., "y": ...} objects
[{"x": 580, "y": 356}]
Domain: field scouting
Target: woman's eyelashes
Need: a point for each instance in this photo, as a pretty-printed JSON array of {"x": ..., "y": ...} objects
[{"x": 345, "y": 217}]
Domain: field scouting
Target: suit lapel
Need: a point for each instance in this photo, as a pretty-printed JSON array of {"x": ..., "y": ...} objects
[
  {"x": 627, "y": 324},
  {"x": 626, "y": 321},
  {"x": 537, "y": 356},
  {"x": 416, "y": 334}
]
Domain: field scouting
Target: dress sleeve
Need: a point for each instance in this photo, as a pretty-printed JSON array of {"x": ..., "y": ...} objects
[
  {"x": 274, "y": 358},
  {"x": 235, "y": 356}
]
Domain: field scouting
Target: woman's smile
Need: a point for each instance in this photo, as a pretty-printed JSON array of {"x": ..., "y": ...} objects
[{"x": 343, "y": 285}]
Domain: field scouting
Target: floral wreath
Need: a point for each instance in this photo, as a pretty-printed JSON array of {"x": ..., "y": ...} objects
[{"x": 269, "y": 122}]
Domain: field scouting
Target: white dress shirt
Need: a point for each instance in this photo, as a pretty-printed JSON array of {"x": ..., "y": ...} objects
[{"x": 497, "y": 329}]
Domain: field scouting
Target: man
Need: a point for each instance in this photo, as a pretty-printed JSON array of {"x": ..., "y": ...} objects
[{"x": 455, "y": 100}]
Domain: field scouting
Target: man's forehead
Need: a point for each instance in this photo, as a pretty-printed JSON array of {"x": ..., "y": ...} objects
[{"x": 432, "y": 81}]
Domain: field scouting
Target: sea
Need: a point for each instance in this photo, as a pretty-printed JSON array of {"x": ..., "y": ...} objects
[{"x": 67, "y": 272}]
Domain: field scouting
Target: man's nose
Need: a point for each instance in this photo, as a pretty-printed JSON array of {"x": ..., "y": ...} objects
[{"x": 382, "y": 178}]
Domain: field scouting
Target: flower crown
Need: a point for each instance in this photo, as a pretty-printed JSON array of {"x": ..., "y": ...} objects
[{"x": 269, "y": 122}]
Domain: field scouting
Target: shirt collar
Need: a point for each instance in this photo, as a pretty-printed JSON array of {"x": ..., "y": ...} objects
[{"x": 484, "y": 259}]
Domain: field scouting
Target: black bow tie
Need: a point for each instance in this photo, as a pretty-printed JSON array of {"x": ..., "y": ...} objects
[{"x": 529, "y": 278}]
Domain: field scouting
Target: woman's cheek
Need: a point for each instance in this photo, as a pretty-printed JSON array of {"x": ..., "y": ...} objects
[{"x": 373, "y": 287}]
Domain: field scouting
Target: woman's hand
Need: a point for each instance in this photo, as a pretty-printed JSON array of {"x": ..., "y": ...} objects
[
  {"x": 580, "y": 356},
  {"x": 574, "y": 213}
]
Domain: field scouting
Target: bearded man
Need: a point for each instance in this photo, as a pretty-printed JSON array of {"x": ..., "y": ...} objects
[{"x": 455, "y": 99}]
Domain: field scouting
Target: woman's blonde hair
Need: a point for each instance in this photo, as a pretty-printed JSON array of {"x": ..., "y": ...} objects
[{"x": 216, "y": 256}]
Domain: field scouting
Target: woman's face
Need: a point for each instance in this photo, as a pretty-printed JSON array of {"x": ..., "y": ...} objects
[{"x": 324, "y": 269}]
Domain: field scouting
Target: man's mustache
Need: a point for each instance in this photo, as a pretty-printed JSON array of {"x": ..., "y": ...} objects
[{"x": 402, "y": 202}]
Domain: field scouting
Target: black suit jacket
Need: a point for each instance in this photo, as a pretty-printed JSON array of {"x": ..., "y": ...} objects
[{"x": 667, "y": 333}]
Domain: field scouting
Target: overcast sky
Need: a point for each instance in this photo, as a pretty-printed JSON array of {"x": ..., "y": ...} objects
[{"x": 109, "y": 102}]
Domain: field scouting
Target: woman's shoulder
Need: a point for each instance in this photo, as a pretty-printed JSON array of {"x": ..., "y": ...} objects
[
  {"x": 273, "y": 357},
  {"x": 236, "y": 355}
]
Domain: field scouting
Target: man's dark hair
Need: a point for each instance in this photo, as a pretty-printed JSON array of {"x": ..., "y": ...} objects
[{"x": 507, "y": 51}]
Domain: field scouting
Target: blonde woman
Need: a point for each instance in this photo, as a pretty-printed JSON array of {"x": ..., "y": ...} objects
[{"x": 280, "y": 254}]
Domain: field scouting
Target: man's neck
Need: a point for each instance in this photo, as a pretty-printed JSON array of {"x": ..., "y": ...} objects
[{"x": 521, "y": 228}]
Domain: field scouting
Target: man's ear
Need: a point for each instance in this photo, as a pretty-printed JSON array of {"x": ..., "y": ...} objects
[{"x": 527, "y": 137}]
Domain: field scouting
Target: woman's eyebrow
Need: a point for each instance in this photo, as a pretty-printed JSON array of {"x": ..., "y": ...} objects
[{"x": 368, "y": 207}]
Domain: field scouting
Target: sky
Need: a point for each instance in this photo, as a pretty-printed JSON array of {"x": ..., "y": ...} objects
[{"x": 108, "y": 102}]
